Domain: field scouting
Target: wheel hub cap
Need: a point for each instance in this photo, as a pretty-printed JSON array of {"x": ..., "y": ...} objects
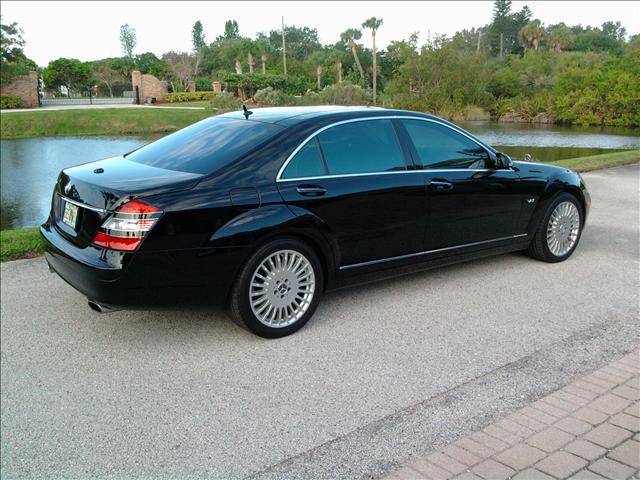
[
  {"x": 282, "y": 288},
  {"x": 563, "y": 229}
]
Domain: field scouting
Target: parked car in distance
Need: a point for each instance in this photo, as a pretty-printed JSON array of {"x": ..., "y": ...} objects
[{"x": 264, "y": 211}]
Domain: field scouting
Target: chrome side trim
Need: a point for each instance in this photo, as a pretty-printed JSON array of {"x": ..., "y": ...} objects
[
  {"x": 364, "y": 119},
  {"x": 417, "y": 254},
  {"x": 318, "y": 177},
  {"x": 82, "y": 205}
]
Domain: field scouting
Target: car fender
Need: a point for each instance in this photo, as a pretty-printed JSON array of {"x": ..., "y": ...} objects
[
  {"x": 563, "y": 181},
  {"x": 258, "y": 226}
]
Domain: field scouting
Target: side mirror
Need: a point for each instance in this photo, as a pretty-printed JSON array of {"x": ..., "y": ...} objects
[{"x": 503, "y": 160}]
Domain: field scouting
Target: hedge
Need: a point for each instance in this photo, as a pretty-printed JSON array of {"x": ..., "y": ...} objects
[
  {"x": 252, "y": 82},
  {"x": 9, "y": 101},
  {"x": 187, "y": 96}
]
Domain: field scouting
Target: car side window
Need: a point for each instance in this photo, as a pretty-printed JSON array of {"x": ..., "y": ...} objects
[
  {"x": 367, "y": 146},
  {"x": 306, "y": 163},
  {"x": 442, "y": 147}
]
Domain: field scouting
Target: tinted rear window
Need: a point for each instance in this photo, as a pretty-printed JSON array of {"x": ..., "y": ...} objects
[{"x": 204, "y": 146}]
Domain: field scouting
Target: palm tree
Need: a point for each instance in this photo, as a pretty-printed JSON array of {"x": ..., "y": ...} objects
[
  {"x": 349, "y": 37},
  {"x": 559, "y": 38},
  {"x": 531, "y": 34},
  {"x": 374, "y": 24}
]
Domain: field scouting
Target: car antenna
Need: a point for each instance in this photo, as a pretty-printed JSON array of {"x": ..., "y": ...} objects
[{"x": 246, "y": 112}]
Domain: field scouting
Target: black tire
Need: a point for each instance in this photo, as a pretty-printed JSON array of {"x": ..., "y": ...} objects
[
  {"x": 239, "y": 306},
  {"x": 539, "y": 248}
]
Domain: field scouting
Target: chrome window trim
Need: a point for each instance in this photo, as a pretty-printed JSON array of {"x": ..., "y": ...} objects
[
  {"x": 417, "y": 254},
  {"x": 364, "y": 119},
  {"x": 82, "y": 205}
]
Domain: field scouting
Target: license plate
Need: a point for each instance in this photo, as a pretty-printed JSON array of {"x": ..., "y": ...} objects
[{"x": 70, "y": 215}]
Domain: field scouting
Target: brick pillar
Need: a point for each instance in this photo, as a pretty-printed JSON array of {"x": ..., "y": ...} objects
[
  {"x": 136, "y": 81},
  {"x": 217, "y": 86}
]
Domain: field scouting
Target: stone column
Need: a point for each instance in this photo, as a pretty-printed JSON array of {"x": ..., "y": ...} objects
[
  {"x": 217, "y": 86},
  {"x": 191, "y": 86},
  {"x": 136, "y": 81}
]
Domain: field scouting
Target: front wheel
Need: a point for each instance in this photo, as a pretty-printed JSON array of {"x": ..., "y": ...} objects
[
  {"x": 278, "y": 289},
  {"x": 559, "y": 231}
]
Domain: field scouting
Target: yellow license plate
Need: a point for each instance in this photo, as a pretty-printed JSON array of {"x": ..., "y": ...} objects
[{"x": 70, "y": 215}]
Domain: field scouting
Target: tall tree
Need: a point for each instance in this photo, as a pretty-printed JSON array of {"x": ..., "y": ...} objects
[
  {"x": 180, "y": 68},
  {"x": 104, "y": 73},
  {"x": 67, "y": 72},
  {"x": 199, "y": 43},
  {"x": 349, "y": 37},
  {"x": 128, "y": 39},
  {"x": 12, "y": 58},
  {"x": 374, "y": 24},
  {"x": 231, "y": 29},
  {"x": 11, "y": 41}
]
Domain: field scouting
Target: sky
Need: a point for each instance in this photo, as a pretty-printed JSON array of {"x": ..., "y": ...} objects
[{"x": 90, "y": 30}]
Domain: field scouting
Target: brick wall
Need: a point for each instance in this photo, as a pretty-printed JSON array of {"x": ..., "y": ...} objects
[
  {"x": 25, "y": 87},
  {"x": 149, "y": 86}
]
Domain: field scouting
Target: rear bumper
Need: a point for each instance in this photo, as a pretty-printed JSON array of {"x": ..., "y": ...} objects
[{"x": 119, "y": 279}]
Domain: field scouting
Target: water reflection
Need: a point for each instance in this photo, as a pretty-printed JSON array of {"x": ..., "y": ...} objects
[{"x": 29, "y": 168}]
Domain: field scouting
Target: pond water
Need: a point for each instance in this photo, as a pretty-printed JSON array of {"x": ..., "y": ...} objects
[{"x": 29, "y": 167}]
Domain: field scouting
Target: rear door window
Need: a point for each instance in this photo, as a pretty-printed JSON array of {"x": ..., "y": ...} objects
[
  {"x": 368, "y": 146},
  {"x": 205, "y": 146}
]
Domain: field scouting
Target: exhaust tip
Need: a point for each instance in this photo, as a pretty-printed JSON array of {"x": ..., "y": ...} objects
[{"x": 98, "y": 307}]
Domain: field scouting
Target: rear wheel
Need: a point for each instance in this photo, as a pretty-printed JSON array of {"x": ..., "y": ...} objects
[
  {"x": 278, "y": 289},
  {"x": 559, "y": 231}
]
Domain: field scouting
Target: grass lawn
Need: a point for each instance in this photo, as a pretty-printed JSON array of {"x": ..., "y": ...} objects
[
  {"x": 596, "y": 162},
  {"x": 103, "y": 121},
  {"x": 26, "y": 242},
  {"x": 20, "y": 243}
]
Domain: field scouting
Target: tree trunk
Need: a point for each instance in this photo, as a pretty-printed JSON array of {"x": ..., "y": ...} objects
[
  {"x": 478, "y": 46},
  {"x": 238, "y": 67},
  {"x": 264, "y": 63},
  {"x": 501, "y": 43},
  {"x": 110, "y": 89},
  {"x": 357, "y": 60},
  {"x": 250, "y": 61},
  {"x": 375, "y": 67},
  {"x": 319, "y": 76},
  {"x": 339, "y": 69}
]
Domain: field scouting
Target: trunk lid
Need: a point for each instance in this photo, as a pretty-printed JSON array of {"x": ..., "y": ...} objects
[{"x": 87, "y": 193}]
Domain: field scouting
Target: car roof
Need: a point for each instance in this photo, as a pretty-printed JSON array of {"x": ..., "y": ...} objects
[{"x": 288, "y": 116}]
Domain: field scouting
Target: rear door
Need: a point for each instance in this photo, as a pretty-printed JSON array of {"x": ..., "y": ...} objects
[
  {"x": 354, "y": 176},
  {"x": 470, "y": 204}
]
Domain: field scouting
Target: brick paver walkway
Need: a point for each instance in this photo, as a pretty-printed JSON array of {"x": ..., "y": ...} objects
[{"x": 586, "y": 430}]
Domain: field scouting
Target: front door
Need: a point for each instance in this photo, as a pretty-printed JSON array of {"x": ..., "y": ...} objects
[
  {"x": 354, "y": 178},
  {"x": 470, "y": 204}
]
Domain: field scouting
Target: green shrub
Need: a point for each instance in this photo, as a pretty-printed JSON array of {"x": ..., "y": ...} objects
[
  {"x": 225, "y": 101},
  {"x": 188, "y": 96},
  {"x": 203, "y": 85},
  {"x": 9, "y": 101},
  {"x": 343, "y": 94},
  {"x": 272, "y": 97},
  {"x": 252, "y": 82}
]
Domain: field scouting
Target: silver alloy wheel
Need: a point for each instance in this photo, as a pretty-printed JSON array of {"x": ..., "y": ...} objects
[
  {"x": 282, "y": 288},
  {"x": 563, "y": 229}
]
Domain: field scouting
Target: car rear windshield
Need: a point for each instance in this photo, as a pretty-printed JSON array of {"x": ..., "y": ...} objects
[{"x": 205, "y": 146}]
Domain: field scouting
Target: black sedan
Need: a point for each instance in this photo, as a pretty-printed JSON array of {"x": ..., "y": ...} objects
[{"x": 264, "y": 211}]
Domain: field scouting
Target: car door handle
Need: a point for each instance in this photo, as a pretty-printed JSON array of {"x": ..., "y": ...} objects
[
  {"x": 311, "y": 190},
  {"x": 441, "y": 185}
]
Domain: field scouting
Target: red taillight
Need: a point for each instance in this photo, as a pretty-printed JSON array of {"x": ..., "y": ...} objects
[{"x": 127, "y": 227}]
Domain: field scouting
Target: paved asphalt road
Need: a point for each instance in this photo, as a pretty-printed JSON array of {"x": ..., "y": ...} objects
[{"x": 381, "y": 373}]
